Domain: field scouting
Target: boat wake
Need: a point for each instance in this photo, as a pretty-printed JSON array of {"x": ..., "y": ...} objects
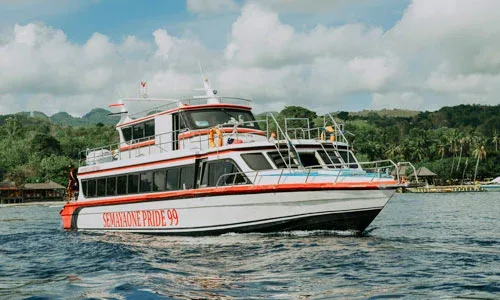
[{"x": 301, "y": 233}]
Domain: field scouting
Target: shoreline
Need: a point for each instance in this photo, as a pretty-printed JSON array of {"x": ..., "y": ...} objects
[{"x": 36, "y": 203}]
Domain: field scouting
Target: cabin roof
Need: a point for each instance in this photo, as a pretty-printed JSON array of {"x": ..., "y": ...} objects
[
  {"x": 8, "y": 185},
  {"x": 183, "y": 108},
  {"x": 50, "y": 185},
  {"x": 424, "y": 172}
]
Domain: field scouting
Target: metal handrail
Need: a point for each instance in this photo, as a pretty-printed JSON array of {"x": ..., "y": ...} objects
[
  {"x": 411, "y": 165},
  {"x": 290, "y": 146},
  {"x": 307, "y": 171},
  {"x": 339, "y": 130}
]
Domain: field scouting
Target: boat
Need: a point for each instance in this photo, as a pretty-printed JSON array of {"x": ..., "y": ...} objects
[
  {"x": 492, "y": 186},
  {"x": 206, "y": 166}
]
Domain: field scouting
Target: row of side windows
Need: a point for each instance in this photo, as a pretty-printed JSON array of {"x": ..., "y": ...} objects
[
  {"x": 170, "y": 179},
  {"x": 139, "y": 131},
  {"x": 215, "y": 173}
]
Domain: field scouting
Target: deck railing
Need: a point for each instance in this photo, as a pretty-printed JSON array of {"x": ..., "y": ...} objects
[{"x": 378, "y": 172}]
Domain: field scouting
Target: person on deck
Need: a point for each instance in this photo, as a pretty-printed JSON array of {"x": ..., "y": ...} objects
[{"x": 73, "y": 182}]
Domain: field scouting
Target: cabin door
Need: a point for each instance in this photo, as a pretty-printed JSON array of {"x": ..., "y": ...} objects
[
  {"x": 176, "y": 126},
  {"x": 201, "y": 173}
]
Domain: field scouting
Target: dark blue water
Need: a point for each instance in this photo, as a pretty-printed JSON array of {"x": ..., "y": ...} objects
[{"x": 421, "y": 246}]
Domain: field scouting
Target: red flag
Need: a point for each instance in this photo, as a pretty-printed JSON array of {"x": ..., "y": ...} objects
[{"x": 143, "y": 84}]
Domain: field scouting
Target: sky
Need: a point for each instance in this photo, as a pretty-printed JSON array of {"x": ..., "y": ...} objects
[{"x": 326, "y": 55}]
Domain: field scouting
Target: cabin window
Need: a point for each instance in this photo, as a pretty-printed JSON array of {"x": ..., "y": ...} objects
[
  {"x": 138, "y": 131},
  {"x": 308, "y": 159},
  {"x": 173, "y": 179},
  {"x": 127, "y": 133},
  {"x": 149, "y": 128},
  {"x": 91, "y": 188},
  {"x": 121, "y": 185},
  {"x": 278, "y": 160},
  {"x": 132, "y": 183},
  {"x": 187, "y": 177},
  {"x": 256, "y": 161},
  {"x": 146, "y": 182},
  {"x": 159, "y": 180},
  {"x": 110, "y": 186},
  {"x": 221, "y": 173},
  {"x": 84, "y": 188},
  {"x": 205, "y": 118},
  {"x": 329, "y": 158},
  {"x": 101, "y": 187},
  {"x": 348, "y": 159}
]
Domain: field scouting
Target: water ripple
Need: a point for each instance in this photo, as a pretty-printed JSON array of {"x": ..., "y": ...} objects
[{"x": 420, "y": 247}]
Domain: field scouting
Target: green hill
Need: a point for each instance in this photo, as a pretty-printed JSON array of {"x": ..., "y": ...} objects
[
  {"x": 389, "y": 113},
  {"x": 99, "y": 115},
  {"x": 65, "y": 119}
]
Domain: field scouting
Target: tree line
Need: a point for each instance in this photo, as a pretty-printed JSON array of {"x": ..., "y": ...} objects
[
  {"x": 460, "y": 142},
  {"x": 34, "y": 149}
]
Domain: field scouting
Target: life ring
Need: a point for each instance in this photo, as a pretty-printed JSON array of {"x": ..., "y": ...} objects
[{"x": 211, "y": 137}]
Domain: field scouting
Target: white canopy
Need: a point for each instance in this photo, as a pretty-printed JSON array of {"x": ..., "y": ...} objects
[{"x": 497, "y": 180}]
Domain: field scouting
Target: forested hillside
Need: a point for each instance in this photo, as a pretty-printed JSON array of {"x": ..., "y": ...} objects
[
  {"x": 33, "y": 148},
  {"x": 451, "y": 141}
]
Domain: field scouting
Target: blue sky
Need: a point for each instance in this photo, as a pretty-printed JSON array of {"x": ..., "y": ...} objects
[
  {"x": 418, "y": 54},
  {"x": 79, "y": 19}
]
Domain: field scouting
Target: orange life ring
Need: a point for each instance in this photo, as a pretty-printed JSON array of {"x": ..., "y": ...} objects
[{"x": 211, "y": 137}]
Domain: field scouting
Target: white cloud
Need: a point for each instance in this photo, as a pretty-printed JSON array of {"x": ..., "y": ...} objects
[
  {"x": 258, "y": 37},
  {"x": 439, "y": 53},
  {"x": 211, "y": 6},
  {"x": 301, "y": 6},
  {"x": 406, "y": 100}
]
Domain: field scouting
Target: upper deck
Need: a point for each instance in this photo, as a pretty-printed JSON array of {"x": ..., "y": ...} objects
[{"x": 211, "y": 123}]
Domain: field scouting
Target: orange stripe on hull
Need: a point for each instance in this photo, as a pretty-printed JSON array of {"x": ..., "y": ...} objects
[
  {"x": 232, "y": 190},
  {"x": 67, "y": 215}
]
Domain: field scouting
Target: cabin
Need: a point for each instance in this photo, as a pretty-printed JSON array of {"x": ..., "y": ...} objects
[
  {"x": 9, "y": 193},
  {"x": 47, "y": 191}
]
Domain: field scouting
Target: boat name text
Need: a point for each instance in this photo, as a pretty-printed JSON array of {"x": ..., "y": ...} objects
[{"x": 141, "y": 218}]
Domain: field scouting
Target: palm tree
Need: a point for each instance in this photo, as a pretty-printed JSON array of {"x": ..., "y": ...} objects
[
  {"x": 393, "y": 151},
  {"x": 461, "y": 141},
  {"x": 464, "y": 141},
  {"x": 441, "y": 150},
  {"x": 480, "y": 153},
  {"x": 495, "y": 140},
  {"x": 452, "y": 139}
]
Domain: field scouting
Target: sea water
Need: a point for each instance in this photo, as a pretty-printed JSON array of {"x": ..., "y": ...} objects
[{"x": 421, "y": 246}]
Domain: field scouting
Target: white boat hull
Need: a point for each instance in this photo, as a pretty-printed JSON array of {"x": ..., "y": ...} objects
[{"x": 352, "y": 209}]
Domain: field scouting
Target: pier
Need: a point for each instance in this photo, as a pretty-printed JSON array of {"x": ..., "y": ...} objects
[{"x": 445, "y": 189}]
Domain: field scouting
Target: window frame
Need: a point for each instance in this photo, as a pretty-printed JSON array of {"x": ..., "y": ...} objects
[{"x": 245, "y": 157}]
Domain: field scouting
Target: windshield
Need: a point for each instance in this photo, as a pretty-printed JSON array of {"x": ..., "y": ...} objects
[{"x": 205, "y": 118}]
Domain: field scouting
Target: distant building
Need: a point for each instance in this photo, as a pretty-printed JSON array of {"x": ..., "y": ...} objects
[
  {"x": 30, "y": 192},
  {"x": 425, "y": 175},
  {"x": 9, "y": 193}
]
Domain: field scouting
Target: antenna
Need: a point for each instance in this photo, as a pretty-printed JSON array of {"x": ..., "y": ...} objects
[{"x": 201, "y": 71}]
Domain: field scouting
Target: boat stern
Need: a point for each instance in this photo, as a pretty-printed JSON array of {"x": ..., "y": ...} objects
[{"x": 67, "y": 214}]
